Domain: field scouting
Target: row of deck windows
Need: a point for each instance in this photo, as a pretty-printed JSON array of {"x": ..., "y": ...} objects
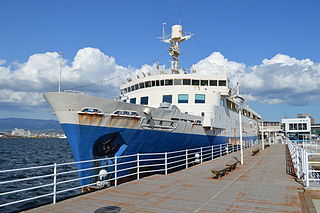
[
  {"x": 298, "y": 126},
  {"x": 182, "y": 98},
  {"x": 170, "y": 82}
]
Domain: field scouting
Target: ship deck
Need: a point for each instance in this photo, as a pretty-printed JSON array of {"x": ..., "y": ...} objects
[{"x": 262, "y": 184}]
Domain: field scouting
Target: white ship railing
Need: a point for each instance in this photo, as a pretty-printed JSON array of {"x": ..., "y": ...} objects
[
  {"x": 55, "y": 176},
  {"x": 305, "y": 157}
]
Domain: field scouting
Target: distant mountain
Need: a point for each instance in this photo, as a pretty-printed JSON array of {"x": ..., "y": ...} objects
[{"x": 29, "y": 124}]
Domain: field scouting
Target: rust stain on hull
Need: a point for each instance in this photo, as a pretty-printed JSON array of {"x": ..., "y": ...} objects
[{"x": 90, "y": 119}]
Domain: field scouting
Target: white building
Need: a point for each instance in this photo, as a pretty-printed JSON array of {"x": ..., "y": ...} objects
[
  {"x": 20, "y": 132},
  {"x": 297, "y": 128}
]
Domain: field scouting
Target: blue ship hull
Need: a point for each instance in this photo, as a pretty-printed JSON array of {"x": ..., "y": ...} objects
[{"x": 85, "y": 141}]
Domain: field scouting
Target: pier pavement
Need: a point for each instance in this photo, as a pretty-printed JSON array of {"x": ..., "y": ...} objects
[{"x": 260, "y": 185}]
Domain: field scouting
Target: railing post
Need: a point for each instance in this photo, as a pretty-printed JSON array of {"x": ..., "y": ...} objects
[
  {"x": 212, "y": 152},
  {"x": 115, "y": 171},
  {"x": 166, "y": 163},
  {"x": 201, "y": 154},
  {"x": 232, "y": 147},
  {"x": 220, "y": 149},
  {"x": 54, "y": 183},
  {"x": 186, "y": 158},
  {"x": 138, "y": 166},
  {"x": 307, "y": 170},
  {"x": 298, "y": 163}
]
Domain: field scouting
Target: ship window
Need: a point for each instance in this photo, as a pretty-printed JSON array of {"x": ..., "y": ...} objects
[
  {"x": 204, "y": 82},
  {"x": 162, "y": 82},
  {"x": 167, "y": 98},
  {"x": 125, "y": 90},
  {"x": 92, "y": 110},
  {"x": 213, "y": 83},
  {"x": 186, "y": 82},
  {"x": 177, "y": 81},
  {"x": 132, "y": 88},
  {"x": 195, "y": 82},
  {"x": 136, "y": 86},
  {"x": 122, "y": 91},
  {"x": 141, "y": 85},
  {"x": 134, "y": 113},
  {"x": 200, "y": 99},
  {"x": 157, "y": 83},
  {"x": 304, "y": 126},
  {"x": 183, "y": 98},
  {"x": 153, "y": 83},
  {"x": 223, "y": 83},
  {"x": 133, "y": 100},
  {"x": 144, "y": 100},
  {"x": 169, "y": 82},
  {"x": 290, "y": 126},
  {"x": 129, "y": 89},
  {"x": 148, "y": 84}
]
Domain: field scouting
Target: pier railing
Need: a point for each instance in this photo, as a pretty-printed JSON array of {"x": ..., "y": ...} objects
[
  {"x": 305, "y": 157},
  {"x": 18, "y": 186}
]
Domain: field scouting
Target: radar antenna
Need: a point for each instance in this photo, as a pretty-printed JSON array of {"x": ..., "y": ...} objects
[{"x": 177, "y": 36}]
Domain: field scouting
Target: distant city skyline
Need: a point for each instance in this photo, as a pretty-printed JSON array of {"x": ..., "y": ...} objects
[{"x": 270, "y": 47}]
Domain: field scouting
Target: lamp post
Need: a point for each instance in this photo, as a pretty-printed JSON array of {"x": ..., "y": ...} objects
[
  {"x": 60, "y": 57},
  {"x": 262, "y": 136},
  {"x": 240, "y": 127}
]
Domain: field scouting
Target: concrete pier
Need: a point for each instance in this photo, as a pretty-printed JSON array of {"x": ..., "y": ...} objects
[{"x": 260, "y": 185}]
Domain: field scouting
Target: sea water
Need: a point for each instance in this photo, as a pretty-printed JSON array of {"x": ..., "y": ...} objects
[{"x": 24, "y": 152}]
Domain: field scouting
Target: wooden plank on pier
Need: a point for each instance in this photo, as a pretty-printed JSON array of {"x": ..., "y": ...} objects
[{"x": 260, "y": 185}]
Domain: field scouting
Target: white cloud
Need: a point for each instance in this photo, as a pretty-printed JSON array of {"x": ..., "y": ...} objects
[
  {"x": 41, "y": 73},
  {"x": 19, "y": 97},
  {"x": 281, "y": 79}
]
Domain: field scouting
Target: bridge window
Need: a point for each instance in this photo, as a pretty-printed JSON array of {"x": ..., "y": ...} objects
[
  {"x": 200, "y": 99},
  {"x": 132, "y": 88},
  {"x": 223, "y": 83},
  {"x": 133, "y": 100},
  {"x": 213, "y": 83},
  {"x": 177, "y": 81},
  {"x": 186, "y": 82},
  {"x": 167, "y": 98},
  {"x": 195, "y": 82},
  {"x": 144, "y": 100},
  {"x": 169, "y": 82},
  {"x": 141, "y": 85},
  {"x": 136, "y": 86},
  {"x": 153, "y": 83},
  {"x": 148, "y": 84},
  {"x": 162, "y": 82},
  {"x": 183, "y": 98},
  {"x": 157, "y": 83},
  {"x": 204, "y": 82}
]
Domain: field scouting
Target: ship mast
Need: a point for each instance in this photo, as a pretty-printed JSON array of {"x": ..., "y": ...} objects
[{"x": 177, "y": 36}]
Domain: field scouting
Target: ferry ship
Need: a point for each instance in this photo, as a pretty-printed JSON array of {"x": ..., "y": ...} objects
[{"x": 167, "y": 111}]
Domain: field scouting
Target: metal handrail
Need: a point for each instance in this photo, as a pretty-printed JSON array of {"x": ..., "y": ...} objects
[
  {"x": 182, "y": 160},
  {"x": 27, "y": 168}
]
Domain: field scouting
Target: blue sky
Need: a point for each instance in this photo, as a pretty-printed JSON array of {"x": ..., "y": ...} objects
[{"x": 245, "y": 32}]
